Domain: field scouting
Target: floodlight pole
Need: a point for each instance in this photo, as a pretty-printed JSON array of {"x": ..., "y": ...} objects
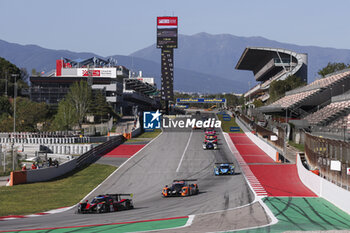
[{"x": 14, "y": 119}]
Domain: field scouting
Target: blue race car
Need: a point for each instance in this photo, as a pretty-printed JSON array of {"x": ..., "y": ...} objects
[
  {"x": 224, "y": 169},
  {"x": 207, "y": 145}
]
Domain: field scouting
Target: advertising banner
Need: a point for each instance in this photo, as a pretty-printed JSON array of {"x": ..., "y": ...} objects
[
  {"x": 97, "y": 72},
  {"x": 199, "y": 100}
]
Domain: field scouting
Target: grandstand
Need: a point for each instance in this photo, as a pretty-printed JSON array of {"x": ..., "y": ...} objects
[
  {"x": 310, "y": 98},
  {"x": 268, "y": 65}
]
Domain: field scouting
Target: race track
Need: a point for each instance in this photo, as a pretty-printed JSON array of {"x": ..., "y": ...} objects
[{"x": 173, "y": 155}]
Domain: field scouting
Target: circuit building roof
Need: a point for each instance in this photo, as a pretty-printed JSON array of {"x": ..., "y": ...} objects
[{"x": 270, "y": 64}]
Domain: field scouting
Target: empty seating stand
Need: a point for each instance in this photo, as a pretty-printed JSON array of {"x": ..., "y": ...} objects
[
  {"x": 331, "y": 111},
  {"x": 290, "y": 100}
]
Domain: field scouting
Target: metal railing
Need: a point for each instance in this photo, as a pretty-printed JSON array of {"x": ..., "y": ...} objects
[{"x": 321, "y": 151}]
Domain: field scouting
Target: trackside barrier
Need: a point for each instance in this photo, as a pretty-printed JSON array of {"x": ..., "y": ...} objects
[
  {"x": 136, "y": 132},
  {"x": 18, "y": 177},
  {"x": 49, "y": 173},
  {"x": 323, "y": 188},
  {"x": 269, "y": 150},
  {"x": 95, "y": 153},
  {"x": 44, "y": 174}
]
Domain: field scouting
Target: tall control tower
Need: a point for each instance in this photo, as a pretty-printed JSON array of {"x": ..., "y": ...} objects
[{"x": 167, "y": 41}]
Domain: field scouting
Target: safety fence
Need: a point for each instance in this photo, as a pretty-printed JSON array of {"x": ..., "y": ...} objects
[{"x": 331, "y": 157}]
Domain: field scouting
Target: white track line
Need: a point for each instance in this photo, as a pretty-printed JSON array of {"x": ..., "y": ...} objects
[
  {"x": 183, "y": 154},
  {"x": 116, "y": 170},
  {"x": 257, "y": 188}
]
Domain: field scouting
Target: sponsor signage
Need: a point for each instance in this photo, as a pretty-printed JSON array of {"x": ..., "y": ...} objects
[
  {"x": 234, "y": 129},
  {"x": 97, "y": 72},
  {"x": 335, "y": 165},
  {"x": 199, "y": 100},
  {"x": 146, "y": 80},
  {"x": 166, "y": 21},
  {"x": 167, "y": 32}
]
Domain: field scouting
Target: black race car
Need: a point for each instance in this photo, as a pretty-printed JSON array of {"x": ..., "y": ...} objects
[
  {"x": 180, "y": 188},
  {"x": 106, "y": 203}
]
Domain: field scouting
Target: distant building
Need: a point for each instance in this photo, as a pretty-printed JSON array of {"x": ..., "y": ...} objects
[
  {"x": 121, "y": 91},
  {"x": 270, "y": 64}
]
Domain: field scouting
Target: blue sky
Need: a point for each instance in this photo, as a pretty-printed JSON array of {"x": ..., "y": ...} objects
[{"x": 110, "y": 27}]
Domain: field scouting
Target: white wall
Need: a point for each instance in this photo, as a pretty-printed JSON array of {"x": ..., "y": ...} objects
[
  {"x": 50, "y": 173},
  {"x": 329, "y": 191},
  {"x": 269, "y": 150}
]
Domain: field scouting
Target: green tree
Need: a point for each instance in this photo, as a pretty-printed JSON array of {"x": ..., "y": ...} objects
[
  {"x": 5, "y": 106},
  {"x": 9, "y": 73},
  {"x": 258, "y": 103},
  {"x": 79, "y": 96},
  {"x": 99, "y": 107},
  {"x": 28, "y": 114},
  {"x": 65, "y": 118},
  {"x": 78, "y": 99},
  {"x": 332, "y": 67},
  {"x": 280, "y": 87}
]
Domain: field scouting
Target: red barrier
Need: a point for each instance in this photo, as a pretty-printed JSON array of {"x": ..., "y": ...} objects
[{"x": 18, "y": 177}]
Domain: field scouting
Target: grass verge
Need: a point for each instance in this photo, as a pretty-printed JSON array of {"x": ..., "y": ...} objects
[
  {"x": 39, "y": 197},
  {"x": 225, "y": 125},
  {"x": 300, "y": 147}
]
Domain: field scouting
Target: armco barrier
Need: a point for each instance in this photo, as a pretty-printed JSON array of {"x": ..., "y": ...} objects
[
  {"x": 269, "y": 150},
  {"x": 93, "y": 154},
  {"x": 323, "y": 188}
]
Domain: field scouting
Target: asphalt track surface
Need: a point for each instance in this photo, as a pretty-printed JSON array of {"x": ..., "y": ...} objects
[{"x": 173, "y": 155}]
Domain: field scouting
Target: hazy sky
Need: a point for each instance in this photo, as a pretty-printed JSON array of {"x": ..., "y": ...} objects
[{"x": 110, "y": 27}]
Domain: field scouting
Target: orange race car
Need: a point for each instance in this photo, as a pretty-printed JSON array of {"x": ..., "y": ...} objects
[{"x": 180, "y": 188}]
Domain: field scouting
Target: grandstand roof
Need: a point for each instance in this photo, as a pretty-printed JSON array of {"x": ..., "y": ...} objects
[
  {"x": 267, "y": 62},
  {"x": 137, "y": 85},
  {"x": 93, "y": 61}
]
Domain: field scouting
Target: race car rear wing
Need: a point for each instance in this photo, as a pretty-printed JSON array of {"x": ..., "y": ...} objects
[
  {"x": 118, "y": 195},
  {"x": 185, "y": 180}
]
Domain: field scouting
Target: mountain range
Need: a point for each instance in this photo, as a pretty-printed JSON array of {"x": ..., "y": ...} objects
[{"x": 203, "y": 62}]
